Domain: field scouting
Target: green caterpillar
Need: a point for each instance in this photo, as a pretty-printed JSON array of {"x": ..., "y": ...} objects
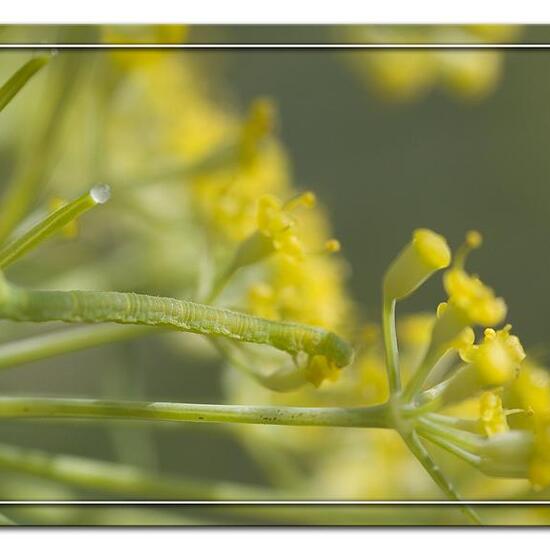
[{"x": 128, "y": 308}]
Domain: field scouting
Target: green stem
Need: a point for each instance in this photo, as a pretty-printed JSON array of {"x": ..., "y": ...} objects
[
  {"x": 471, "y": 458},
  {"x": 36, "y": 160},
  {"x": 420, "y": 375},
  {"x": 455, "y": 422},
  {"x": 118, "y": 478},
  {"x": 18, "y": 80},
  {"x": 466, "y": 440},
  {"x": 51, "y": 224},
  {"x": 422, "y": 455},
  {"x": 43, "y": 346},
  {"x": 390, "y": 344},
  {"x": 45, "y": 408}
]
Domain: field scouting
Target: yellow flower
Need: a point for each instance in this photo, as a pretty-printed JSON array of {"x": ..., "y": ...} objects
[
  {"x": 407, "y": 75},
  {"x": 476, "y": 301},
  {"x": 277, "y": 224},
  {"x": 319, "y": 368},
  {"x": 398, "y": 75},
  {"x": 491, "y": 414},
  {"x": 142, "y": 34},
  {"x": 258, "y": 126},
  {"x": 302, "y": 281},
  {"x": 471, "y": 74},
  {"x": 531, "y": 389},
  {"x": 497, "y": 359},
  {"x": 423, "y": 256},
  {"x": 229, "y": 195},
  {"x": 309, "y": 291}
]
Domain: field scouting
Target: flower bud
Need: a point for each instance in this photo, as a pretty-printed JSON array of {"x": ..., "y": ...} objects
[
  {"x": 423, "y": 256},
  {"x": 507, "y": 454}
]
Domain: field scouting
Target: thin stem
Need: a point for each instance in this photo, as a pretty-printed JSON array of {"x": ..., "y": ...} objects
[
  {"x": 27, "y": 350},
  {"x": 18, "y": 80},
  {"x": 51, "y": 224},
  {"x": 420, "y": 375},
  {"x": 471, "y": 458},
  {"x": 420, "y": 452},
  {"x": 36, "y": 160},
  {"x": 455, "y": 422},
  {"x": 120, "y": 478},
  {"x": 390, "y": 344},
  {"x": 466, "y": 440},
  {"x": 46, "y": 408}
]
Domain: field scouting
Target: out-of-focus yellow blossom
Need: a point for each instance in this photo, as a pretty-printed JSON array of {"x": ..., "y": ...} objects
[
  {"x": 275, "y": 222},
  {"x": 305, "y": 282},
  {"x": 491, "y": 414},
  {"x": 141, "y": 34},
  {"x": 494, "y": 33},
  {"x": 425, "y": 254},
  {"x": 405, "y": 75},
  {"x": 497, "y": 359},
  {"x": 228, "y": 196},
  {"x": 470, "y": 74},
  {"x": 397, "y": 75},
  {"x": 415, "y": 330},
  {"x": 531, "y": 389},
  {"x": 309, "y": 291}
]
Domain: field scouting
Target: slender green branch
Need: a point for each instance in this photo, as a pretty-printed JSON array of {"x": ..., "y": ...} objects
[
  {"x": 420, "y": 452},
  {"x": 51, "y": 224},
  {"x": 471, "y": 458},
  {"x": 118, "y": 478},
  {"x": 18, "y": 80},
  {"x": 454, "y": 421},
  {"x": 390, "y": 343},
  {"x": 59, "y": 342},
  {"x": 467, "y": 440},
  {"x": 46, "y": 408},
  {"x": 421, "y": 374},
  {"x": 36, "y": 159}
]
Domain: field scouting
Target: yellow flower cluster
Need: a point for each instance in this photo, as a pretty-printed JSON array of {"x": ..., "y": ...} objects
[
  {"x": 405, "y": 75},
  {"x": 238, "y": 185},
  {"x": 277, "y": 224},
  {"x": 531, "y": 393}
]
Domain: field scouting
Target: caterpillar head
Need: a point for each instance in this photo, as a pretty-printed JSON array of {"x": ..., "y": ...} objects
[{"x": 336, "y": 350}]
